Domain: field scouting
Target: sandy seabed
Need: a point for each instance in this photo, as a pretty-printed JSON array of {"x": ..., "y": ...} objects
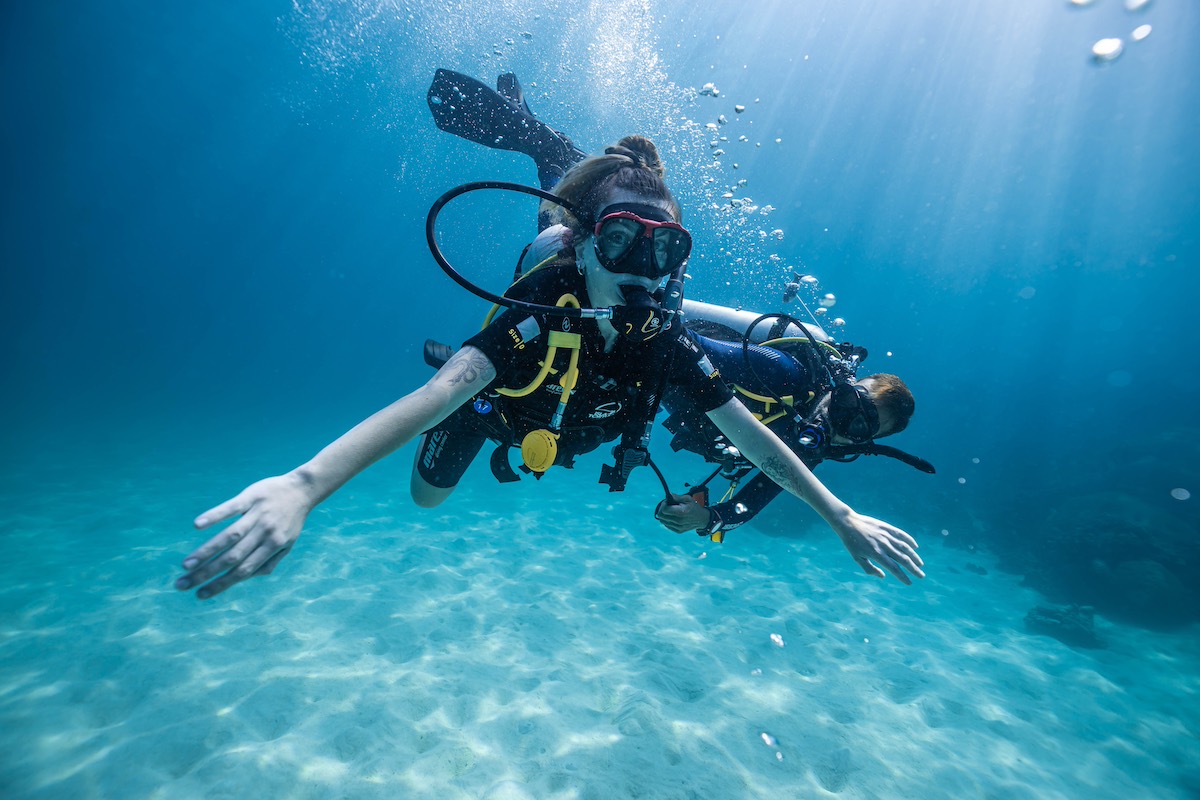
[{"x": 558, "y": 644}]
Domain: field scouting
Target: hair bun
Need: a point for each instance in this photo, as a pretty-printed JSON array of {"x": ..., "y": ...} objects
[{"x": 641, "y": 151}]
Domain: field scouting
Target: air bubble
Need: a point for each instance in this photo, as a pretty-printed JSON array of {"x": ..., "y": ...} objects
[
  {"x": 1140, "y": 32},
  {"x": 1180, "y": 494},
  {"x": 1107, "y": 50},
  {"x": 829, "y": 300}
]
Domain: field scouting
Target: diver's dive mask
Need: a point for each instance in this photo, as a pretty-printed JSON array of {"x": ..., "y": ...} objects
[
  {"x": 637, "y": 239},
  {"x": 852, "y": 413}
]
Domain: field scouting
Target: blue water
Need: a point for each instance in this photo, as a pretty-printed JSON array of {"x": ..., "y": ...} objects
[{"x": 214, "y": 263}]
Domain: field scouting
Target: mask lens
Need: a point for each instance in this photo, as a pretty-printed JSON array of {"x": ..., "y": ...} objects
[
  {"x": 617, "y": 237},
  {"x": 671, "y": 247},
  {"x": 858, "y": 429}
]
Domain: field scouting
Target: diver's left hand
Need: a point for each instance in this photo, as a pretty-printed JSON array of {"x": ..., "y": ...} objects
[{"x": 871, "y": 540}]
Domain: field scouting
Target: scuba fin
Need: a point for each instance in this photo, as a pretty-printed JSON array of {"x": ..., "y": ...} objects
[
  {"x": 500, "y": 119},
  {"x": 509, "y": 87},
  {"x": 437, "y": 354}
]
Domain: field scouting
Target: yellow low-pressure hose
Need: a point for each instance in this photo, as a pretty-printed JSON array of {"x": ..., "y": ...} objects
[{"x": 556, "y": 340}]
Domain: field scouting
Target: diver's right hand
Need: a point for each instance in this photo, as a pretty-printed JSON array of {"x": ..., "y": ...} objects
[
  {"x": 271, "y": 511},
  {"x": 683, "y": 513}
]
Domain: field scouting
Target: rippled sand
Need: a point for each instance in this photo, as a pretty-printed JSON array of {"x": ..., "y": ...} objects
[{"x": 546, "y": 642}]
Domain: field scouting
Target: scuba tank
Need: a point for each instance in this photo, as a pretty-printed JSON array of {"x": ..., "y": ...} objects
[{"x": 731, "y": 324}]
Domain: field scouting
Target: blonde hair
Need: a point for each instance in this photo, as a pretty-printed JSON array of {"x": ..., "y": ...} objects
[{"x": 632, "y": 164}]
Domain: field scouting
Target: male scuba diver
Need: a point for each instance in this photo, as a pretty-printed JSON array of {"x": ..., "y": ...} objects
[{"x": 821, "y": 413}]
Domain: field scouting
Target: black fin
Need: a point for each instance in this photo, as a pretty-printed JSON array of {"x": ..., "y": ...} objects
[
  {"x": 465, "y": 107},
  {"x": 510, "y": 87},
  {"x": 436, "y": 353}
]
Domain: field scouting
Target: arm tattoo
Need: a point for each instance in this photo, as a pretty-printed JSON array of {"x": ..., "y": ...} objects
[
  {"x": 468, "y": 368},
  {"x": 778, "y": 470}
]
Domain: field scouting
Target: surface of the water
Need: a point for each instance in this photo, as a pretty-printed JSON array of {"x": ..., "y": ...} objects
[{"x": 214, "y": 262}]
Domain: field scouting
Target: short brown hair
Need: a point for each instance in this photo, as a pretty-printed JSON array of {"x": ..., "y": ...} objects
[{"x": 892, "y": 396}]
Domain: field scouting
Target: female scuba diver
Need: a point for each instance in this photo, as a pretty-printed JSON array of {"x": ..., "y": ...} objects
[
  {"x": 819, "y": 412},
  {"x": 627, "y": 238}
]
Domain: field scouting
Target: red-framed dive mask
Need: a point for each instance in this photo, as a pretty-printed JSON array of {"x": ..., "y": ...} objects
[{"x": 636, "y": 239}]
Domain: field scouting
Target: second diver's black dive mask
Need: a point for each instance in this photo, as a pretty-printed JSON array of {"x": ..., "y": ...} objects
[
  {"x": 639, "y": 239},
  {"x": 852, "y": 413}
]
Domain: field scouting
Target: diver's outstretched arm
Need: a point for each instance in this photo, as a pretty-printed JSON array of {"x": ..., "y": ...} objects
[
  {"x": 868, "y": 539},
  {"x": 271, "y": 512}
]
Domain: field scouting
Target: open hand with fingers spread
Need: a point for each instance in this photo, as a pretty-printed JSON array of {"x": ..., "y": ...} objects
[
  {"x": 270, "y": 515},
  {"x": 871, "y": 540}
]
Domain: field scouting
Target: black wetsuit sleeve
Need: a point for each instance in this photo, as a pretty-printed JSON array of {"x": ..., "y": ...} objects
[{"x": 751, "y": 498}]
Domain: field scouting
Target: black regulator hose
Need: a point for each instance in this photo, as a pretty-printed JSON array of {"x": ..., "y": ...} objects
[
  {"x": 786, "y": 319},
  {"x": 507, "y": 302}
]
